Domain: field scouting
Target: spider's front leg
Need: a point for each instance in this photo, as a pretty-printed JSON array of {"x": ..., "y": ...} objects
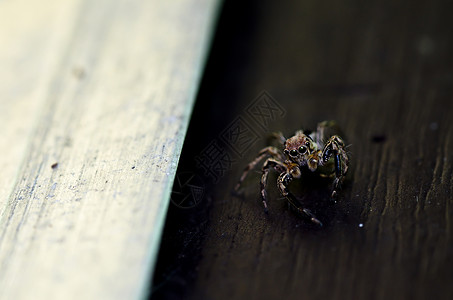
[
  {"x": 270, "y": 163},
  {"x": 335, "y": 147},
  {"x": 283, "y": 181},
  {"x": 268, "y": 151}
]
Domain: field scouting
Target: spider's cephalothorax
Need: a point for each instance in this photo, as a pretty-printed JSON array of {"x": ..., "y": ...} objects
[{"x": 311, "y": 150}]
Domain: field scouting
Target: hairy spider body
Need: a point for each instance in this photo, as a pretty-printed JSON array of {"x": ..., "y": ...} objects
[{"x": 316, "y": 151}]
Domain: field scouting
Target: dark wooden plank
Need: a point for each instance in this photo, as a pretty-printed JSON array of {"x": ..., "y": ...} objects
[{"x": 384, "y": 71}]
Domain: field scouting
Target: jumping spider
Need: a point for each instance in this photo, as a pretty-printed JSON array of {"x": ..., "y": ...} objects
[{"x": 316, "y": 151}]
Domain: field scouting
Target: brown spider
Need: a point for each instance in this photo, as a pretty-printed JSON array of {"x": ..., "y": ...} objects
[{"x": 315, "y": 150}]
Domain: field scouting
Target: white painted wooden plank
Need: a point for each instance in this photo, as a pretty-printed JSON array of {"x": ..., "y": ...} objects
[
  {"x": 29, "y": 34},
  {"x": 105, "y": 89}
]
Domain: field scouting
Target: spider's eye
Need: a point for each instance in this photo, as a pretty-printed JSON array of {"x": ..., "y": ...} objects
[
  {"x": 302, "y": 149},
  {"x": 293, "y": 153}
]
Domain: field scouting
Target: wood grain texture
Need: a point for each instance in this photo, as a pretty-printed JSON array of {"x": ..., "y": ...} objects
[
  {"x": 384, "y": 71},
  {"x": 95, "y": 98}
]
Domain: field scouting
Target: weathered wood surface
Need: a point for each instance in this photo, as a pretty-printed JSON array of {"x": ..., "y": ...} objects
[
  {"x": 95, "y": 98},
  {"x": 384, "y": 71}
]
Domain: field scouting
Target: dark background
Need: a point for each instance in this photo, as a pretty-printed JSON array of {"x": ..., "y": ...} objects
[{"x": 384, "y": 71}]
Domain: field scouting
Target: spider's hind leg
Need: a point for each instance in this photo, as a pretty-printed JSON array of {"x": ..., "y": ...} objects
[
  {"x": 278, "y": 136},
  {"x": 327, "y": 129},
  {"x": 268, "y": 151}
]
